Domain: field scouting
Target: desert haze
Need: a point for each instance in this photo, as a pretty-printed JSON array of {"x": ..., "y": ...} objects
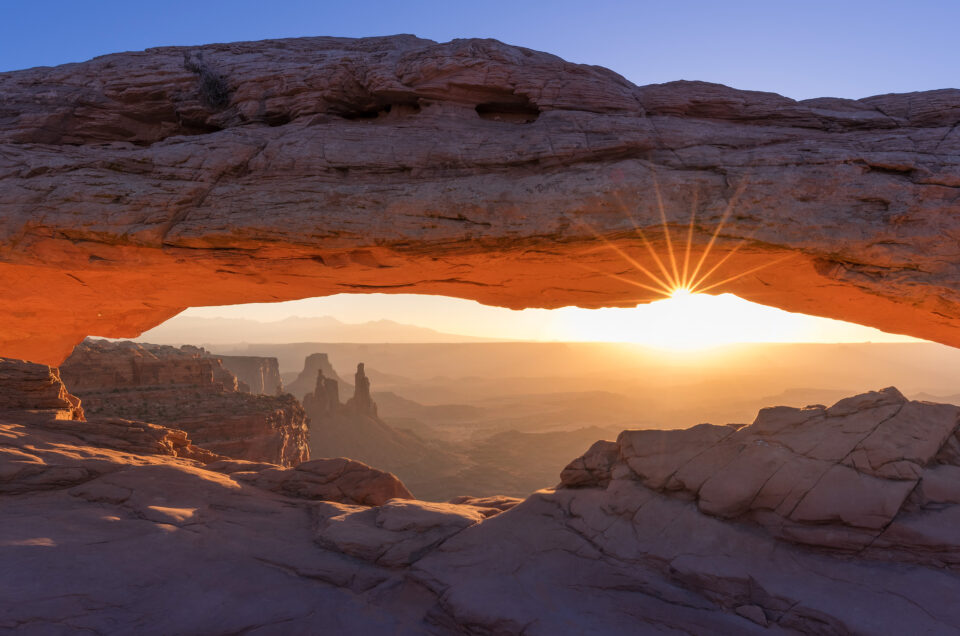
[
  {"x": 221, "y": 330},
  {"x": 502, "y": 418}
]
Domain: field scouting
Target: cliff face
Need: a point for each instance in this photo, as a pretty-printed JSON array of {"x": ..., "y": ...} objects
[
  {"x": 99, "y": 365},
  {"x": 250, "y": 374},
  {"x": 37, "y": 412},
  {"x": 256, "y": 375},
  {"x": 312, "y": 365},
  {"x": 36, "y": 388},
  {"x": 186, "y": 388},
  {"x": 257, "y": 171}
]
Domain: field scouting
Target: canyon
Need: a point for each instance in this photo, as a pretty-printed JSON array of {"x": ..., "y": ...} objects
[
  {"x": 472, "y": 169},
  {"x": 190, "y": 389},
  {"x": 713, "y": 529},
  {"x": 354, "y": 429},
  {"x": 435, "y": 464}
]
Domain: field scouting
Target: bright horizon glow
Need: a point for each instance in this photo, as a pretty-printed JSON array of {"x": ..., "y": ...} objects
[{"x": 684, "y": 321}]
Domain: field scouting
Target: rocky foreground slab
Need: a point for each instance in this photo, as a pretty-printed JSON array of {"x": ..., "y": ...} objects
[{"x": 839, "y": 520}]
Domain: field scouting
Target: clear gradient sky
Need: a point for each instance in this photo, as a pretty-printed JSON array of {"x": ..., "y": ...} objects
[
  {"x": 843, "y": 48},
  {"x": 814, "y": 48}
]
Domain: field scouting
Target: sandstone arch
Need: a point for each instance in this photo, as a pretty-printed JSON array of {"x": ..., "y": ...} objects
[{"x": 137, "y": 184}]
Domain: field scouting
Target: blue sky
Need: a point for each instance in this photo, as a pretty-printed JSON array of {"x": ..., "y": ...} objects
[{"x": 804, "y": 49}]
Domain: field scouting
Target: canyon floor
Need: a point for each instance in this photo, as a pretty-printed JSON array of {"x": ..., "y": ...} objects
[{"x": 823, "y": 520}]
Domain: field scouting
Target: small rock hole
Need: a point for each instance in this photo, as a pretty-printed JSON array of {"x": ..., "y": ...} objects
[
  {"x": 514, "y": 112},
  {"x": 396, "y": 108}
]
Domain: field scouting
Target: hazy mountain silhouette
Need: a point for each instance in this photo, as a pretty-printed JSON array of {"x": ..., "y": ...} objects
[{"x": 191, "y": 329}]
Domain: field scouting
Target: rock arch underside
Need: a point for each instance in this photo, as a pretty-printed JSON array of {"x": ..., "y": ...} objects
[{"x": 138, "y": 184}]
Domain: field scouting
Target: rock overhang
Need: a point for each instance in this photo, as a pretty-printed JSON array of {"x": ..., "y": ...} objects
[{"x": 137, "y": 184}]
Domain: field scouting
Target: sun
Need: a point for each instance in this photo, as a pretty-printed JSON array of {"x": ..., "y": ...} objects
[
  {"x": 687, "y": 323},
  {"x": 677, "y": 273}
]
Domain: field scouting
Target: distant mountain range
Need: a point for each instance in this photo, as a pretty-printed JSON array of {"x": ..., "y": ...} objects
[{"x": 193, "y": 330}]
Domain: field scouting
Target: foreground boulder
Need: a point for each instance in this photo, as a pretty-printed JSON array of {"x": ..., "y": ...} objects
[
  {"x": 339, "y": 479},
  {"x": 395, "y": 534},
  {"x": 189, "y": 389},
  {"x": 872, "y": 473}
]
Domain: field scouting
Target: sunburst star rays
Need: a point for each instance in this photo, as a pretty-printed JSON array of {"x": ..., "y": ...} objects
[{"x": 679, "y": 275}]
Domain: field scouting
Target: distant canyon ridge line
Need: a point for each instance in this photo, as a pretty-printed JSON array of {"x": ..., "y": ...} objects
[
  {"x": 221, "y": 330},
  {"x": 138, "y": 184}
]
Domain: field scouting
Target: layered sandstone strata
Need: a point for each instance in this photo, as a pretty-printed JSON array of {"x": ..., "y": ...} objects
[
  {"x": 26, "y": 387},
  {"x": 255, "y": 374},
  {"x": 188, "y": 389},
  {"x": 265, "y": 171},
  {"x": 46, "y": 442}
]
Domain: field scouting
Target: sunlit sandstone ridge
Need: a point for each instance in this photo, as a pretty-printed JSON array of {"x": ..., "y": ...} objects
[{"x": 137, "y": 184}]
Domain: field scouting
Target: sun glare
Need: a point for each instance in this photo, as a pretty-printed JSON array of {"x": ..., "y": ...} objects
[
  {"x": 688, "y": 314},
  {"x": 686, "y": 321},
  {"x": 678, "y": 272}
]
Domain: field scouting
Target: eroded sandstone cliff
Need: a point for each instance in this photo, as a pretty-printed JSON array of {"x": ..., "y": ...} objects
[
  {"x": 188, "y": 389},
  {"x": 45, "y": 435},
  {"x": 876, "y": 474},
  {"x": 37, "y": 389},
  {"x": 257, "y": 374},
  {"x": 306, "y": 381},
  {"x": 265, "y": 171}
]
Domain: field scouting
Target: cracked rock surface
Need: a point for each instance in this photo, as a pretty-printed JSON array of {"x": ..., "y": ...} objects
[
  {"x": 275, "y": 170},
  {"x": 839, "y": 520}
]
